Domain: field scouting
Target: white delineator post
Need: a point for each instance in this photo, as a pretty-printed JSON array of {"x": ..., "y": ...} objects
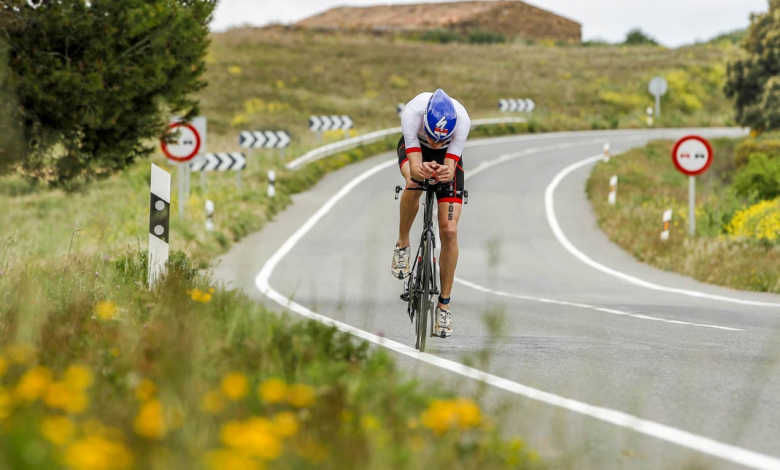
[
  {"x": 209, "y": 215},
  {"x": 613, "y": 182},
  {"x": 271, "y": 183},
  {"x": 159, "y": 223},
  {"x": 667, "y": 220},
  {"x": 649, "y": 117},
  {"x": 606, "y": 152}
]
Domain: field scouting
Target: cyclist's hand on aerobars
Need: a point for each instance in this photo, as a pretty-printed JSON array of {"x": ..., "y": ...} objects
[
  {"x": 443, "y": 174},
  {"x": 427, "y": 170}
]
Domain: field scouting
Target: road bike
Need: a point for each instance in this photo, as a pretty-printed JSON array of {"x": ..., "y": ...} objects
[{"x": 421, "y": 289}]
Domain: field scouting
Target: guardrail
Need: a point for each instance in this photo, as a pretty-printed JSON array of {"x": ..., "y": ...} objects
[{"x": 348, "y": 144}]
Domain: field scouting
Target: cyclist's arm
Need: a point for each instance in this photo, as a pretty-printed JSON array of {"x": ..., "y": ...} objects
[{"x": 411, "y": 120}]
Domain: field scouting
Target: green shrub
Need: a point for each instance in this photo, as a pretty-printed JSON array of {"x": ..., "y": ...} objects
[
  {"x": 442, "y": 36},
  {"x": 760, "y": 177},
  {"x": 749, "y": 147},
  {"x": 485, "y": 37},
  {"x": 637, "y": 37}
]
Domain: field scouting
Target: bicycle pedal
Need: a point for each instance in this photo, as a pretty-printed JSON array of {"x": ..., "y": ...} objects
[{"x": 405, "y": 297}]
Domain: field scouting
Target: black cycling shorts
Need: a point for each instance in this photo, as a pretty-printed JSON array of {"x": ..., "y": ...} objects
[{"x": 452, "y": 192}]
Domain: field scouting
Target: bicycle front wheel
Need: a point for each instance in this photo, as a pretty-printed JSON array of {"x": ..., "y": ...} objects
[{"x": 424, "y": 299}]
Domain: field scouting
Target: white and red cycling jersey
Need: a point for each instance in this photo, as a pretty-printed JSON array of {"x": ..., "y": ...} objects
[{"x": 414, "y": 133}]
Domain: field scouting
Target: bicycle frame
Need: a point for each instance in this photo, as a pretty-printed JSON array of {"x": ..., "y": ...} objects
[{"x": 422, "y": 286}]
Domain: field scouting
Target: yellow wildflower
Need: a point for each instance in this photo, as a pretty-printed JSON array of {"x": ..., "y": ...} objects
[
  {"x": 33, "y": 384},
  {"x": 149, "y": 422},
  {"x": 212, "y": 402},
  {"x": 3, "y": 366},
  {"x": 300, "y": 396},
  {"x": 146, "y": 390},
  {"x": 443, "y": 415},
  {"x": 6, "y": 402},
  {"x": 20, "y": 353},
  {"x": 273, "y": 391},
  {"x": 369, "y": 422},
  {"x": 234, "y": 70},
  {"x": 255, "y": 437},
  {"x": 77, "y": 377},
  {"x": 230, "y": 460},
  {"x": 760, "y": 221},
  {"x": 97, "y": 453},
  {"x": 468, "y": 413},
  {"x": 57, "y": 429},
  {"x": 59, "y": 396},
  {"x": 235, "y": 386},
  {"x": 412, "y": 423},
  {"x": 114, "y": 352},
  {"x": 199, "y": 296},
  {"x": 105, "y": 310},
  {"x": 285, "y": 424}
]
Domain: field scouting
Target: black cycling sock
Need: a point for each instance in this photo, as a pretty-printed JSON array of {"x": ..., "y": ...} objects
[{"x": 444, "y": 301}]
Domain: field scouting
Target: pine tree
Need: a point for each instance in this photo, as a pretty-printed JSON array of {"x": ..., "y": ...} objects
[
  {"x": 94, "y": 82},
  {"x": 754, "y": 80}
]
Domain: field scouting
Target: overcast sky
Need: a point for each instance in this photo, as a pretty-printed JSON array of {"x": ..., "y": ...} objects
[{"x": 672, "y": 22}]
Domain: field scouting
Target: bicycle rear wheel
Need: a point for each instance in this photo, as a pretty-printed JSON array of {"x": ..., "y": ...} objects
[{"x": 424, "y": 299}]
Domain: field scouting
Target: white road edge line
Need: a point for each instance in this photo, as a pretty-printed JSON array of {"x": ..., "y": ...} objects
[
  {"x": 675, "y": 436},
  {"x": 549, "y": 207},
  {"x": 589, "y": 307}
]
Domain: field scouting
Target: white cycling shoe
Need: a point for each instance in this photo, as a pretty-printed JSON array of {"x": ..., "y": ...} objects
[
  {"x": 443, "y": 324},
  {"x": 401, "y": 268}
]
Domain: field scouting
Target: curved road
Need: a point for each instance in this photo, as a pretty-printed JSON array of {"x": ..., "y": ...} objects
[{"x": 599, "y": 361}]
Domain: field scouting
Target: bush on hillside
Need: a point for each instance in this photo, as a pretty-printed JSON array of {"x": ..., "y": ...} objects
[
  {"x": 760, "y": 221},
  {"x": 485, "y": 37},
  {"x": 749, "y": 147},
  {"x": 441, "y": 36},
  {"x": 754, "y": 81},
  {"x": 760, "y": 177},
  {"x": 95, "y": 83},
  {"x": 637, "y": 37}
]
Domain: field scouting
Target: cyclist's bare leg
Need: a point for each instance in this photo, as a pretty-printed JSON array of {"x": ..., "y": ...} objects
[
  {"x": 410, "y": 203},
  {"x": 449, "y": 214}
]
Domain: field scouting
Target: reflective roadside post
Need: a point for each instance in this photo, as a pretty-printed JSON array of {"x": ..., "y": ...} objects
[
  {"x": 667, "y": 221},
  {"x": 612, "y": 198}
]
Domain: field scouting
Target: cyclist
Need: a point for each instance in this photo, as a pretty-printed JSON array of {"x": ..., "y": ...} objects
[{"x": 435, "y": 129}]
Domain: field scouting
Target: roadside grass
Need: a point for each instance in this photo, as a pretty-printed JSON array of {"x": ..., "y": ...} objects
[
  {"x": 114, "y": 214},
  {"x": 649, "y": 184},
  {"x": 99, "y": 372}
]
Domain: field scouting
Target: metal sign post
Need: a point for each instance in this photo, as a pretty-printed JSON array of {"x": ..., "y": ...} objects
[
  {"x": 190, "y": 141},
  {"x": 658, "y": 88},
  {"x": 692, "y": 156}
]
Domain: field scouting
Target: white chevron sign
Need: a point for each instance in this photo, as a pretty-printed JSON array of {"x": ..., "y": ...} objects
[
  {"x": 516, "y": 105},
  {"x": 219, "y": 162},
  {"x": 264, "y": 139},
  {"x": 330, "y": 123}
]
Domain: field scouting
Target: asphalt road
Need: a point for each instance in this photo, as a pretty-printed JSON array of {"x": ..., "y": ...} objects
[{"x": 696, "y": 363}]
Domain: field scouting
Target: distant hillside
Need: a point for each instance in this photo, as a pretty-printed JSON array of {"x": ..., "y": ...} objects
[
  {"x": 511, "y": 18},
  {"x": 273, "y": 78}
]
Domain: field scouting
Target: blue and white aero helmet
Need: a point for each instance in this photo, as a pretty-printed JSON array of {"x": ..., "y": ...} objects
[{"x": 441, "y": 118}]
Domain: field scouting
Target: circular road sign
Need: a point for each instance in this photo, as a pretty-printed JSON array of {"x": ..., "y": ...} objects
[
  {"x": 658, "y": 86},
  {"x": 692, "y": 155},
  {"x": 186, "y": 147}
]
